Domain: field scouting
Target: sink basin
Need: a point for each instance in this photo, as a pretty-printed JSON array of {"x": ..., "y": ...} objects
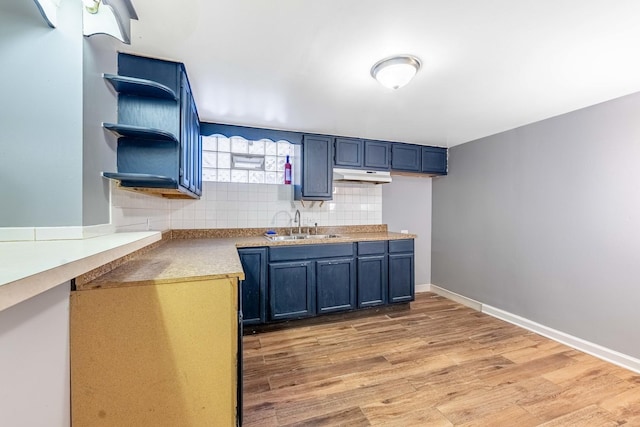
[
  {"x": 302, "y": 237},
  {"x": 281, "y": 238}
]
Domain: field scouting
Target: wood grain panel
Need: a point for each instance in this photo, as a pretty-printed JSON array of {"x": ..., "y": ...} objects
[{"x": 437, "y": 364}]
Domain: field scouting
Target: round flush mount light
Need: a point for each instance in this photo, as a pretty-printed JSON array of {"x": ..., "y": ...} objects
[{"x": 395, "y": 71}]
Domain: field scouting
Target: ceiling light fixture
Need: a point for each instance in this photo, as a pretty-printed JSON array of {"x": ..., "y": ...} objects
[{"x": 395, "y": 71}]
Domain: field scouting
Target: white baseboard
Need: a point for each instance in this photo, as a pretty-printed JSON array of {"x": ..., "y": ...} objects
[
  {"x": 588, "y": 347},
  {"x": 606, "y": 354},
  {"x": 426, "y": 287},
  {"x": 461, "y": 299}
]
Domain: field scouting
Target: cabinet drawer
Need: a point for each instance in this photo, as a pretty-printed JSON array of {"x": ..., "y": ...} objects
[
  {"x": 403, "y": 245},
  {"x": 372, "y": 248},
  {"x": 304, "y": 252}
]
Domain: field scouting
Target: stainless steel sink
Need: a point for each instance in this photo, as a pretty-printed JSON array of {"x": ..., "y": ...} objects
[
  {"x": 281, "y": 238},
  {"x": 302, "y": 237}
]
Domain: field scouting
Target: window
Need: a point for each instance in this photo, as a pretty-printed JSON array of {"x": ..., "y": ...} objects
[{"x": 236, "y": 159}]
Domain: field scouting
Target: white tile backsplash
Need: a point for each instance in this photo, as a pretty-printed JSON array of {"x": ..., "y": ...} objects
[{"x": 231, "y": 205}]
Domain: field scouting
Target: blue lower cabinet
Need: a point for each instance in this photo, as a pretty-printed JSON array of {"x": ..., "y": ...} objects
[
  {"x": 305, "y": 281},
  {"x": 401, "y": 277},
  {"x": 336, "y": 285},
  {"x": 291, "y": 290},
  {"x": 372, "y": 281},
  {"x": 254, "y": 285}
]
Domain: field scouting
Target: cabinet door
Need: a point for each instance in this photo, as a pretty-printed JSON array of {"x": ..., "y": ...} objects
[
  {"x": 317, "y": 168},
  {"x": 406, "y": 157},
  {"x": 434, "y": 160},
  {"x": 336, "y": 285},
  {"x": 401, "y": 277},
  {"x": 291, "y": 290},
  {"x": 372, "y": 281},
  {"x": 254, "y": 286},
  {"x": 197, "y": 164},
  {"x": 186, "y": 137},
  {"x": 377, "y": 155},
  {"x": 348, "y": 152}
]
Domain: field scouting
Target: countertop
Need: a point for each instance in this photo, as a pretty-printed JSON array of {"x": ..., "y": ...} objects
[
  {"x": 189, "y": 259},
  {"x": 31, "y": 267}
]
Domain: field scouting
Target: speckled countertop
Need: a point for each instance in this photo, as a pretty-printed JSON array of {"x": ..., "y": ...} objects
[{"x": 196, "y": 255}]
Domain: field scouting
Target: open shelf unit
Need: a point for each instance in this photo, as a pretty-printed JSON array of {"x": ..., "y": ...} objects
[{"x": 140, "y": 87}]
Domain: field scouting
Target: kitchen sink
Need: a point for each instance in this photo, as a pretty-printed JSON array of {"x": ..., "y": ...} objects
[{"x": 302, "y": 237}]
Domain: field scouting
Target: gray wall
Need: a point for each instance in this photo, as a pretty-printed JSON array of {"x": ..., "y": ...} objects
[
  {"x": 100, "y": 104},
  {"x": 406, "y": 205},
  {"x": 40, "y": 116},
  {"x": 50, "y": 162},
  {"x": 543, "y": 221}
]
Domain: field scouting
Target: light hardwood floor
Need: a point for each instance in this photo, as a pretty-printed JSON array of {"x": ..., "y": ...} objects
[{"x": 437, "y": 364}]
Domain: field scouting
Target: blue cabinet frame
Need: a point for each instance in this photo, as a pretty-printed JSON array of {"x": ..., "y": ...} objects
[
  {"x": 377, "y": 155},
  {"x": 406, "y": 157},
  {"x": 401, "y": 271},
  {"x": 372, "y": 273},
  {"x": 315, "y": 180},
  {"x": 254, "y": 285},
  {"x": 158, "y": 129},
  {"x": 291, "y": 290},
  {"x": 336, "y": 284},
  {"x": 434, "y": 160},
  {"x": 348, "y": 153}
]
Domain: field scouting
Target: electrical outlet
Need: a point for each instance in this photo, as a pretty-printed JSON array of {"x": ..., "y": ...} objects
[{"x": 404, "y": 231}]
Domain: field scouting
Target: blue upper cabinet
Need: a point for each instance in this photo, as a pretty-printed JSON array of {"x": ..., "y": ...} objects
[
  {"x": 377, "y": 155},
  {"x": 314, "y": 181},
  {"x": 434, "y": 160},
  {"x": 159, "y": 145},
  {"x": 349, "y": 153},
  {"x": 362, "y": 154},
  {"x": 406, "y": 157}
]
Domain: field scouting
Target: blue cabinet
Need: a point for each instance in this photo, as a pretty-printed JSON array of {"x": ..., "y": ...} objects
[
  {"x": 159, "y": 144},
  {"x": 291, "y": 290},
  {"x": 434, "y": 160},
  {"x": 254, "y": 285},
  {"x": 401, "y": 271},
  {"x": 362, "y": 154},
  {"x": 314, "y": 181},
  {"x": 377, "y": 155},
  {"x": 311, "y": 279},
  {"x": 372, "y": 274},
  {"x": 349, "y": 153},
  {"x": 298, "y": 281},
  {"x": 406, "y": 157},
  {"x": 336, "y": 285}
]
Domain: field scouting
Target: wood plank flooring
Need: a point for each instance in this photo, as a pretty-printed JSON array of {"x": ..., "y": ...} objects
[{"x": 437, "y": 364}]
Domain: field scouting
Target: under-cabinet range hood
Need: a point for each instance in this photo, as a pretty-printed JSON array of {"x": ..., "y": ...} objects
[{"x": 358, "y": 175}]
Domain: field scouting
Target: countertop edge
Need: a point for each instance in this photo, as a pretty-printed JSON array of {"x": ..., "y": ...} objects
[{"x": 40, "y": 280}]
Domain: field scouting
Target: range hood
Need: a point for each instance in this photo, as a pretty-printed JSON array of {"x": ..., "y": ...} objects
[{"x": 358, "y": 175}]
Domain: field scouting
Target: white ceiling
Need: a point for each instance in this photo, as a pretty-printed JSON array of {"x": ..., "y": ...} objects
[{"x": 488, "y": 65}]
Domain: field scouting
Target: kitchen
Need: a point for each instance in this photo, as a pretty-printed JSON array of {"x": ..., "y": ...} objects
[{"x": 560, "y": 225}]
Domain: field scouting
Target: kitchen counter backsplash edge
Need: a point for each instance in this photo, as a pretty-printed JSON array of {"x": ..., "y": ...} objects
[
  {"x": 106, "y": 268},
  {"x": 224, "y": 233},
  {"x": 246, "y": 237}
]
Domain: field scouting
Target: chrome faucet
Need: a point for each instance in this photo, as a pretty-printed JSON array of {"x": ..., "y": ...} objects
[{"x": 296, "y": 219}]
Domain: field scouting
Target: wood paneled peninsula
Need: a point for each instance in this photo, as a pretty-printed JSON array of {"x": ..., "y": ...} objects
[{"x": 155, "y": 338}]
